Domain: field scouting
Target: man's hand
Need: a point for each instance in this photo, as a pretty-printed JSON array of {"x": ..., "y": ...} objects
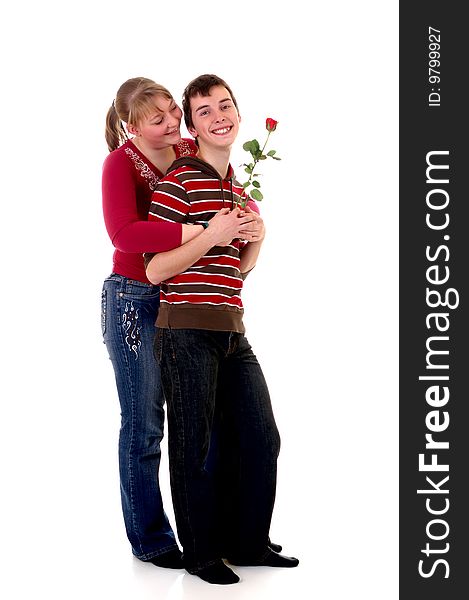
[{"x": 226, "y": 225}]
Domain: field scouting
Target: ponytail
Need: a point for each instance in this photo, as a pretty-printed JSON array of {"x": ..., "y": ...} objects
[{"x": 115, "y": 133}]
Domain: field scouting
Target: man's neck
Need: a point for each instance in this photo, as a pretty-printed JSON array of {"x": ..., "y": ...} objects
[{"x": 219, "y": 158}]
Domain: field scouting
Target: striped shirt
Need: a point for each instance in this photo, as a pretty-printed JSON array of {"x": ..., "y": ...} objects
[{"x": 208, "y": 294}]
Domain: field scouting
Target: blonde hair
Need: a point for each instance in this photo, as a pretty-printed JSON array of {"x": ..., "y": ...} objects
[{"x": 135, "y": 100}]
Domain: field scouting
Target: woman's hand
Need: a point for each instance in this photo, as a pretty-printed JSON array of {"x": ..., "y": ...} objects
[{"x": 254, "y": 230}]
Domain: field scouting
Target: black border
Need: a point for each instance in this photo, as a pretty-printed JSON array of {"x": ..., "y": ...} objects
[{"x": 425, "y": 128}]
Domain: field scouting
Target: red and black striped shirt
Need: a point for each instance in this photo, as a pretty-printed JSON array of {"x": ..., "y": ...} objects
[{"x": 208, "y": 294}]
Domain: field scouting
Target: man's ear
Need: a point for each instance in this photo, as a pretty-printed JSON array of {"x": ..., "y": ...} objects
[
  {"x": 192, "y": 131},
  {"x": 132, "y": 129}
]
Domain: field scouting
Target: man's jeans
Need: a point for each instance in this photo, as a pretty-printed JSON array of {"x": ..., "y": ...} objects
[
  {"x": 207, "y": 376},
  {"x": 129, "y": 310}
]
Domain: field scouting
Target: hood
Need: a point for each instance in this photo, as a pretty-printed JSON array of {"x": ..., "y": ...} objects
[
  {"x": 207, "y": 169},
  {"x": 199, "y": 164}
]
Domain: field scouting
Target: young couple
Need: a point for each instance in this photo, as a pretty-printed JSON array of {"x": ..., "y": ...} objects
[{"x": 199, "y": 246}]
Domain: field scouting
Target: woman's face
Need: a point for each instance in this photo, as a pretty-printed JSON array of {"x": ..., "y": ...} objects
[{"x": 161, "y": 129}]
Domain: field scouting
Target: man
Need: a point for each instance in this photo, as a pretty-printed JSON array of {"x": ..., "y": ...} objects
[{"x": 207, "y": 365}]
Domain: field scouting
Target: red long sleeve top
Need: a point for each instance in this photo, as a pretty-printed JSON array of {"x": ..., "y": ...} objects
[{"x": 129, "y": 180}]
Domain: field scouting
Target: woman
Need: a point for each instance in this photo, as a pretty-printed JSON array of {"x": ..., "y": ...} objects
[{"x": 130, "y": 303}]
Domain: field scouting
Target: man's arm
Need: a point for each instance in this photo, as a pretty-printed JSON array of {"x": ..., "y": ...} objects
[{"x": 223, "y": 225}]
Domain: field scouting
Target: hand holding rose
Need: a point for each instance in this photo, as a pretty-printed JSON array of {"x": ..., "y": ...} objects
[{"x": 254, "y": 230}]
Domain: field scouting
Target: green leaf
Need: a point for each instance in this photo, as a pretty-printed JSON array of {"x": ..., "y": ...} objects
[
  {"x": 246, "y": 184},
  {"x": 256, "y": 195},
  {"x": 248, "y": 170},
  {"x": 253, "y": 147},
  {"x": 256, "y": 184},
  {"x": 271, "y": 152},
  {"x": 262, "y": 157},
  {"x": 276, "y": 158}
]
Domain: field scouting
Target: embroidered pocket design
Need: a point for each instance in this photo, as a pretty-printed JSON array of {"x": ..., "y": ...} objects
[{"x": 131, "y": 328}]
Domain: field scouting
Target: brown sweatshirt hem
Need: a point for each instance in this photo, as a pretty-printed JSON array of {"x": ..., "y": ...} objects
[{"x": 193, "y": 317}]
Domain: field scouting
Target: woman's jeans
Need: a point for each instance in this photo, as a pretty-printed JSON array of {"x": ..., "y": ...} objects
[
  {"x": 212, "y": 376},
  {"x": 129, "y": 310}
]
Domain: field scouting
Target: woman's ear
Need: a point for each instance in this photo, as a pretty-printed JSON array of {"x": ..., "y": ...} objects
[{"x": 132, "y": 129}]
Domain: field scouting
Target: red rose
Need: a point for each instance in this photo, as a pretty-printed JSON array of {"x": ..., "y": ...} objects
[{"x": 271, "y": 124}]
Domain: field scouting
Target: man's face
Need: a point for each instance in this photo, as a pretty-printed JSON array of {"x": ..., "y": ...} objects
[{"x": 215, "y": 118}]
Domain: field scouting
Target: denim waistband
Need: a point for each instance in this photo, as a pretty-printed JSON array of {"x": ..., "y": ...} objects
[{"x": 124, "y": 282}]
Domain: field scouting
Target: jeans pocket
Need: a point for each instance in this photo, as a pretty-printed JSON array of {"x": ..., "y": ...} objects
[{"x": 103, "y": 311}]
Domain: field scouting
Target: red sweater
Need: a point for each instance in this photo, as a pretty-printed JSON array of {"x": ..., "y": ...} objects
[{"x": 129, "y": 180}]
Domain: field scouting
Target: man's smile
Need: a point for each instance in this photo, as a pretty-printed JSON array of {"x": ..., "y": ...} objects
[{"x": 222, "y": 130}]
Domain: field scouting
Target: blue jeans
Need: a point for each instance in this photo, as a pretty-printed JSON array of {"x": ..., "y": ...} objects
[
  {"x": 213, "y": 376},
  {"x": 129, "y": 310}
]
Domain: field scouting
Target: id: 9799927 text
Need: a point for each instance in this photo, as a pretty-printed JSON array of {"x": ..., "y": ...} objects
[{"x": 434, "y": 73}]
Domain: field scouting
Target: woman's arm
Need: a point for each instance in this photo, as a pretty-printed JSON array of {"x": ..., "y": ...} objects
[
  {"x": 254, "y": 234},
  {"x": 127, "y": 230}
]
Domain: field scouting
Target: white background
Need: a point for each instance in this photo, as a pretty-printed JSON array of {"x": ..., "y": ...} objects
[{"x": 321, "y": 304}]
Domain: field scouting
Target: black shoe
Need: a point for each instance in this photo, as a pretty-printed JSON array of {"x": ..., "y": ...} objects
[
  {"x": 168, "y": 560},
  {"x": 217, "y": 573},
  {"x": 271, "y": 560}
]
